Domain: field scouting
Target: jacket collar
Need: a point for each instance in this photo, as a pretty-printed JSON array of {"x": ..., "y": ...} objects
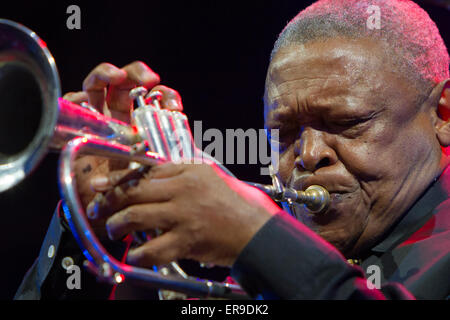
[{"x": 418, "y": 214}]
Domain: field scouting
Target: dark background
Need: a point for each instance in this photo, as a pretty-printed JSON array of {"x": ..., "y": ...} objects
[{"x": 214, "y": 53}]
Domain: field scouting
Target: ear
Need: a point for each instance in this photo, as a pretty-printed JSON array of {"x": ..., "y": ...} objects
[{"x": 441, "y": 96}]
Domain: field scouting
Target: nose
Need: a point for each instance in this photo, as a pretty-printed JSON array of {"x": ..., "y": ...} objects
[{"x": 312, "y": 152}]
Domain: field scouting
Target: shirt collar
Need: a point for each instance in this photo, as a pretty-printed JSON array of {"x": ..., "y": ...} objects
[{"x": 417, "y": 215}]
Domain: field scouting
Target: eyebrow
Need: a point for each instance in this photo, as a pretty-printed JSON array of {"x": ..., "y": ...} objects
[
  {"x": 284, "y": 115},
  {"x": 279, "y": 114}
]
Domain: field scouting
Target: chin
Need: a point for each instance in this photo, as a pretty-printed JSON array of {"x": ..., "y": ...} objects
[{"x": 341, "y": 225}]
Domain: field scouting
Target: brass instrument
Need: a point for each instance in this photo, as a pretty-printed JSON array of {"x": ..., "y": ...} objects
[{"x": 35, "y": 119}]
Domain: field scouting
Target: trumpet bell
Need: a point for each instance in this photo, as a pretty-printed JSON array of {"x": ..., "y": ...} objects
[{"x": 29, "y": 91}]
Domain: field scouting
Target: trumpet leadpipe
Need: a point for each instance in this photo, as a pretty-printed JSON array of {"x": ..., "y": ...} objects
[
  {"x": 76, "y": 121},
  {"x": 315, "y": 198}
]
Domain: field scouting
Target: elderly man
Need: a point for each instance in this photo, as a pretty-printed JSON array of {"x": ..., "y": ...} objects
[{"x": 361, "y": 111}]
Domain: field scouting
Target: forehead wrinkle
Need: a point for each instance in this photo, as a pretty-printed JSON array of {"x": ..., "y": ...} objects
[
  {"x": 291, "y": 71},
  {"x": 324, "y": 78},
  {"x": 324, "y": 93},
  {"x": 319, "y": 95},
  {"x": 280, "y": 117},
  {"x": 338, "y": 55}
]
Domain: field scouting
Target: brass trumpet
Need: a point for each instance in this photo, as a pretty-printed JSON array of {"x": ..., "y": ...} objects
[{"x": 40, "y": 120}]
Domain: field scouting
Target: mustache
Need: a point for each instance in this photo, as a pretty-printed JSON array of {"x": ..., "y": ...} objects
[
  {"x": 340, "y": 185},
  {"x": 297, "y": 179},
  {"x": 332, "y": 181}
]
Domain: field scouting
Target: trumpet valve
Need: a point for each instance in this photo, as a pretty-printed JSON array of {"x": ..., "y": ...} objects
[
  {"x": 155, "y": 98},
  {"x": 138, "y": 94}
]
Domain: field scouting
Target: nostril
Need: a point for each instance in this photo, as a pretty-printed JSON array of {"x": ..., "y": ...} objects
[{"x": 323, "y": 163}]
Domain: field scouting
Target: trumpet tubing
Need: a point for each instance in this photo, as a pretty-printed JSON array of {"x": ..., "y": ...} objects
[{"x": 30, "y": 82}]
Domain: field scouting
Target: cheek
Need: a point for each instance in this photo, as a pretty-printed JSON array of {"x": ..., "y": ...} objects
[
  {"x": 361, "y": 159},
  {"x": 371, "y": 155},
  {"x": 388, "y": 151},
  {"x": 287, "y": 164}
]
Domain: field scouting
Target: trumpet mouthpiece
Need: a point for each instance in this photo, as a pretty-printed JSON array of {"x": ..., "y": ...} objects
[{"x": 316, "y": 198}]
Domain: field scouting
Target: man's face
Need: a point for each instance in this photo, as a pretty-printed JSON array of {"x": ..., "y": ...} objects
[{"x": 348, "y": 122}]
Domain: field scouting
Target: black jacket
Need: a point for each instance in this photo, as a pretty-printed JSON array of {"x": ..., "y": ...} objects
[{"x": 286, "y": 260}]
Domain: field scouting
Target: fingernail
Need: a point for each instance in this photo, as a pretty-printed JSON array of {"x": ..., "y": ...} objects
[
  {"x": 108, "y": 229},
  {"x": 132, "y": 255},
  {"x": 147, "y": 78},
  {"x": 99, "y": 182},
  {"x": 173, "y": 104},
  {"x": 90, "y": 210}
]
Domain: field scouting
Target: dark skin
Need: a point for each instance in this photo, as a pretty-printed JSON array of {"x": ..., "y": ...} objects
[
  {"x": 347, "y": 122},
  {"x": 107, "y": 88}
]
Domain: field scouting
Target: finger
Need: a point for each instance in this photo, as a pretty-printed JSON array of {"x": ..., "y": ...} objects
[
  {"x": 136, "y": 191},
  {"x": 140, "y": 217},
  {"x": 141, "y": 74},
  {"x": 98, "y": 80},
  {"x": 166, "y": 170},
  {"x": 104, "y": 182},
  {"x": 159, "y": 251},
  {"x": 171, "y": 99},
  {"x": 138, "y": 74},
  {"x": 84, "y": 168},
  {"x": 76, "y": 97}
]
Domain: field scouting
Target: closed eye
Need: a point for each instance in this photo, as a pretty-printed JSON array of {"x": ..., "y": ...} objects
[{"x": 351, "y": 124}]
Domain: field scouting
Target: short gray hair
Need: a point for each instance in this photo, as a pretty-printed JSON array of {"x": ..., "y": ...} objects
[{"x": 418, "y": 49}]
